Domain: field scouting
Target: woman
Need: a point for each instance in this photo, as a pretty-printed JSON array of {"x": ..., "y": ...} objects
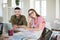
[{"x": 36, "y": 23}]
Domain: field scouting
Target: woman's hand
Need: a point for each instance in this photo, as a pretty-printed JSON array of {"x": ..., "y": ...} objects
[{"x": 29, "y": 19}]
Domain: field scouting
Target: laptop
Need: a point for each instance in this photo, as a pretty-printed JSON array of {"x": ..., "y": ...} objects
[{"x": 1, "y": 28}]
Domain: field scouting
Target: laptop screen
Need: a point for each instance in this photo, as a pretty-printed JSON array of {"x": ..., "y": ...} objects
[{"x": 1, "y": 28}]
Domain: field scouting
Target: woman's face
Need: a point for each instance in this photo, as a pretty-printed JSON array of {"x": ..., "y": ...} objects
[{"x": 32, "y": 14}]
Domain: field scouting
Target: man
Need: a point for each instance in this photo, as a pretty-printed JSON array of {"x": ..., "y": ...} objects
[{"x": 17, "y": 19}]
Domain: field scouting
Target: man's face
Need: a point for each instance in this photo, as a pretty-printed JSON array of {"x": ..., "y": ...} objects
[{"x": 17, "y": 12}]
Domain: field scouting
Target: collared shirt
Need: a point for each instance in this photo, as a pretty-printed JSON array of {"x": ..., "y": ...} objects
[
  {"x": 21, "y": 21},
  {"x": 39, "y": 20}
]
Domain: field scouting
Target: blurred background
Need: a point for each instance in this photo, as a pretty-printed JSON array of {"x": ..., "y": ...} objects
[{"x": 49, "y": 9}]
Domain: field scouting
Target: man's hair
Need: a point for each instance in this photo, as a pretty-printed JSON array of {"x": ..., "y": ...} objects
[{"x": 17, "y": 8}]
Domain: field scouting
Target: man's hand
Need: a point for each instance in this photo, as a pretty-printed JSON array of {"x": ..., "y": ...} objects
[
  {"x": 21, "y": 26},
  {"x": 14, "y": 27}
]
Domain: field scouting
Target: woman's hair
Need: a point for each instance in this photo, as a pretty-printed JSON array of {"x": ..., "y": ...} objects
[{"x": 34, "y": 11}]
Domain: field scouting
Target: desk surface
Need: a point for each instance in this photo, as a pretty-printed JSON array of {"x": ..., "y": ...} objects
[
  {"x": 21, "y": 34},
  {"x": 6, "y": 37}
]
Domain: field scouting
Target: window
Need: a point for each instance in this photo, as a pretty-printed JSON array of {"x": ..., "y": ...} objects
[
  {"x": 37, "y": 6},
  {"x": 14, "y": 5},
  {"x": 57, "y": 8},
  {"x": 31, "y": 3},
  {"x": 43, "y": 8},
  {"x": 4, "y": 4},
  {"x": 4, "y": 1},
  {"x": 0, "y": 10},
  {"x": 21, "y": 4}
]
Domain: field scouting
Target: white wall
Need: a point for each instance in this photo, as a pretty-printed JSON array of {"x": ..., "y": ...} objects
[
  {"x": 51, "y": 10},
  {"x": 26, "y": 7}
]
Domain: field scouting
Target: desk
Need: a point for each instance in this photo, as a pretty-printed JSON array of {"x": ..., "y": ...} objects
[
  {"x": 16, "y": 36},
  {"x": 6, "y": 37},
  {"x": 24, "y": 34}
]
